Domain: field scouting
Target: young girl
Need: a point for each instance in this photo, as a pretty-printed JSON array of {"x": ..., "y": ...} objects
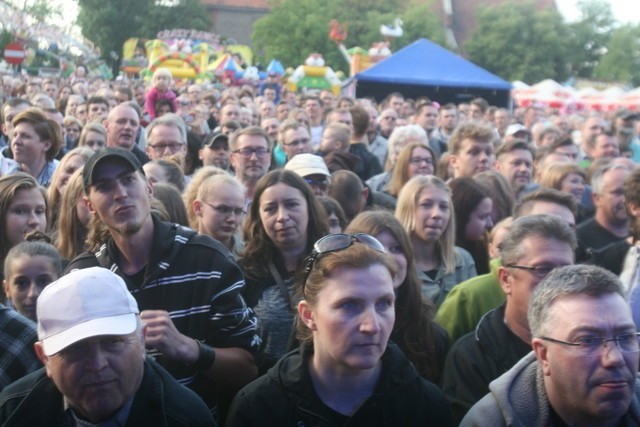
[
  {"x": 473, "y": 207},
  {"x": 73, "y": 220},
  {"x": 425, "y": 210},
  {"x": 161, "y": 82},
  {"x": 28, "y": 268},
  {"x": 23, "y": 209}
]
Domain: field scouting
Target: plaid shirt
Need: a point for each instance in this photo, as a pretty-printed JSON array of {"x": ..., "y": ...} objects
[{"x": 17, "y": 356}]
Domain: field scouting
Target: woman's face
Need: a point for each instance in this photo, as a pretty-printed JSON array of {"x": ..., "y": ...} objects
[
  {"x": 27, "y": 278},
  {"x": 421, "y": 162},
  {"x": 27, "y": 147},
  {"x": 352, "y": 319},
  {"x": 432, "y": 214},
  {"x": 573, "y": 184},
  {"x": 94, "y": 140},
  {"x": 394, "y": 249},
  {"x": 285, "y": 216},
  {"x": 479, "y": 221},
  {"x": 26, "y": 213},
  {"x": 217, "y": 212},
  {"x": 64, "y": 92},
  {"x": 74, "y": 163}
]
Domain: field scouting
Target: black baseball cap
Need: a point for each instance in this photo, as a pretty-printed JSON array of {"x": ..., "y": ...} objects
[
  {"x": 216, "y": 138},
  {"x": 104, "y": 154}
]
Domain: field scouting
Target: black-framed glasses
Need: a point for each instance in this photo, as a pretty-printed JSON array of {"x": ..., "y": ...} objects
[
  {"x": 540, "y": 271},
  {"x": 248, "y": 152},
  {"x": 338, "y": 242},
  {"x": 225, "y": 210},
  {"x": 591, "y": 346}
]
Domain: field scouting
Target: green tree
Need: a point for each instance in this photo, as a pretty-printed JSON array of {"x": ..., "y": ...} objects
[
  {"x": 621, "y": 62},
  {"x": 187, "y": 14},
  {"x": 420, "y": 21},
  {"x": 295, "y": 28},
  {"x": 41, "y": 10},
  {"x": 589, "y": 36},
  {"x": 110, "y": 23},
  {"x": 517, "y": 42}
]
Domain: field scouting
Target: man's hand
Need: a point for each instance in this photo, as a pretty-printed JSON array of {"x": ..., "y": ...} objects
[{"x": 161, "y": 333}]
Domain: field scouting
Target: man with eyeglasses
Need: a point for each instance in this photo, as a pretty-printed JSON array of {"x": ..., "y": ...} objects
[
  {"x": 468, "y": 301},
  {"x": 533, "y": 247},
  {"x": 166, "y": 136},
  {"x": 313, "y": 170},
  {"x": 250, "y": 156},
  {"x": 295, "y": 138},
  {"x": 584, "y": 364}
]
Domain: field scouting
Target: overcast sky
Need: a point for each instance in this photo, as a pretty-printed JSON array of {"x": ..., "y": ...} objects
[{"x": 625, "y": 11}]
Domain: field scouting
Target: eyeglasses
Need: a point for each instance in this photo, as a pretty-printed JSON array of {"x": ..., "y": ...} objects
[
  {"x": 321, "y": 183},
  {"x": 161, "y": 148},
  {"x": 248, "y": 152},
  {"x": 338, "y": 242},
  {"x": 591, "y": 346},
  {"x": 226, "y": 210},
  {"x": 420, "y": 160},
  {"x": 297, "y": 142},
  {"x": 540, "y": 271}
]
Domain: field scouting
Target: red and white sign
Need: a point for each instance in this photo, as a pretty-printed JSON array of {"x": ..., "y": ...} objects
[{"x": 14, "y": 53}]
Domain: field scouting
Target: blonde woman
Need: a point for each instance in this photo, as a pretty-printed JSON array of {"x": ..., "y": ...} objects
[
  {"x": 219, "y": 210},
  {"x": 425, "y": 210},
  {"x": 73, "y": 219}
]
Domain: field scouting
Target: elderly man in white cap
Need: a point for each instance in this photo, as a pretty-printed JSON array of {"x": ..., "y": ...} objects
[
  {"x": 91, "y": 343},
  {"x": 313, "y": 170}
]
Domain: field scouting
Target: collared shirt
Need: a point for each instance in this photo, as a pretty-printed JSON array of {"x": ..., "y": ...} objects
[
  {"x": 119, "y": 419},
  {"x": 44, "y": 178}
]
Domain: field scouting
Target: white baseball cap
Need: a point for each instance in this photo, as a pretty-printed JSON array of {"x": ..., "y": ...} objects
[
  {"x": 84, "y": 304},
  {"x": 307, "y": 164}
]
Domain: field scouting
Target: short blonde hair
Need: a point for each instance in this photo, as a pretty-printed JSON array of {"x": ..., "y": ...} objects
[
  {"x": 191, "y": 192},
  {"x": 161, "y": 71}
]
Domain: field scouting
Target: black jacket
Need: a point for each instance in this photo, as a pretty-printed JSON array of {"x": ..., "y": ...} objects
[
  {"x": 478, "y": 358},
  {"x": 285, "y": 396},
  {"x": 195, "y": 278},
  {"x": 160, "y": 401}
]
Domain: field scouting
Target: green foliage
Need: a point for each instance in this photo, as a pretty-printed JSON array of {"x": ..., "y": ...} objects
[
  {"x": 621, "y": 62},
  {"x": 589, "y": 36},
  {"x": 110, "y": 23},
  {"x": 41, "y": 10},
  {"x": 187, "y": 14},
  {"x": 295, "y": 28},
  {"x": 516, "y": 42}
]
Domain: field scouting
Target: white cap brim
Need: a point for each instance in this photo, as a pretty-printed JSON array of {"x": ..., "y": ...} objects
[{"x": 123, "y": 324}]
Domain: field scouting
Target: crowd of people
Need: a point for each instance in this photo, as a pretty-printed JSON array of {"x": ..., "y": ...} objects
[{"x": 273, "y": 258}]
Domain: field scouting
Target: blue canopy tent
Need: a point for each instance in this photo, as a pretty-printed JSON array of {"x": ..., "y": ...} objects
[{"x": 424, "y": 68}]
